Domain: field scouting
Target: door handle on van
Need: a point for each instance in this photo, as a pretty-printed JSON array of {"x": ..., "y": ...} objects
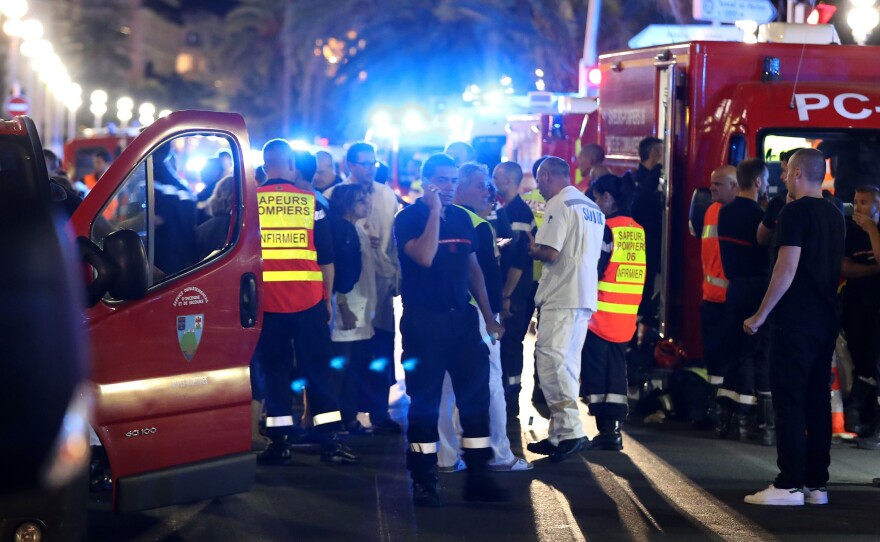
[{"x": 248, "y": 300}]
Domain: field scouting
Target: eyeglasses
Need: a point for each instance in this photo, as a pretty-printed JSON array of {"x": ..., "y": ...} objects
[{"x": 365, "y": 164}]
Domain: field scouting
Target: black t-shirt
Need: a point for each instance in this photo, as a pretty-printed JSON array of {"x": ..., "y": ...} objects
[
  {"x": 817, "y": 227},
  {"x": 485, "y": 250},
  {"x": 647, "y": 210},
  {"x": 444, "y": 285},
  {"x": 346, "y": 254},
  {"x": 864, "y": 291},
  {"x": 741, "y": 255},
  {"x": 516, "y": 253},
  {"x": 774, "y": 206}
]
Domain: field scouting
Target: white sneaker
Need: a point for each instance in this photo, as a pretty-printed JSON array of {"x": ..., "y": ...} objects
[
  {"x": 777, "y": 497},
  {"x": 517, "y": 465},
  {"x": 817, "y": 495}
]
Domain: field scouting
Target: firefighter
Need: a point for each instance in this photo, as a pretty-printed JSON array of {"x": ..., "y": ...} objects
[
  {"x": 747, "y": 268},
  {"x": 441, "y": 333},
  {"x": 100, "y": 162},
  {"x": 622, "y": 280},
  {"x": 297, "y": 280},
  {"x": 518, "y": 300},
  {"x": 713, "y": 324},
  {"x": 568, "y": 243}
]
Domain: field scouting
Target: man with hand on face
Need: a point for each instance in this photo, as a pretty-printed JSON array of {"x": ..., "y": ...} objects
[
  {"x": 803, "y": 298},
  {"x": 568, "y": 242},
  {"x": 441, "y": 332}
]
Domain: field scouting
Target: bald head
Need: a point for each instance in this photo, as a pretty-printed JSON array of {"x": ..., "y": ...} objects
[
  {"x": 805, "y": 173},
  {"x": 722, "y": 184},
  {"x": 554, "y": 174},
  {"x": 278, "y": 160},
  {"x": 326, "y": 173}
]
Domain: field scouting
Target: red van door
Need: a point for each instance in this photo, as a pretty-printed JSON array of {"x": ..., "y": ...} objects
[{"x": 170, "y": 369}]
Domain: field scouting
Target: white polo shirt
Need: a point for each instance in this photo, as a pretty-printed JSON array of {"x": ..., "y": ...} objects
[{"x": 573, "y": 225}]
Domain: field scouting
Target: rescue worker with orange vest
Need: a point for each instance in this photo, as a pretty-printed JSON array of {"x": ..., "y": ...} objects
[
  {"x": 297, "y": 280},
  {"x": 747, "y": 267},
  {"x": 621, "y": 282},
  {"x": 713, "y": 325},
  {"x": 100, "y": 162}
]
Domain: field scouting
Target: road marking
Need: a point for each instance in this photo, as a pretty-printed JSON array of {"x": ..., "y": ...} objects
[
  {"x": 691, "y": 500},
  {"x": 554, "y": 520}
]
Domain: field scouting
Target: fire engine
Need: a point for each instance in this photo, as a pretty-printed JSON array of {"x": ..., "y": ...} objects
[
  {"x": 717, "y": 103},
  {"x": 170, "y": 341}
]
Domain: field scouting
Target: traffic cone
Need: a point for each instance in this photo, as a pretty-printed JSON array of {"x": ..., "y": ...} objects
[{"x": 837, "y": 419}]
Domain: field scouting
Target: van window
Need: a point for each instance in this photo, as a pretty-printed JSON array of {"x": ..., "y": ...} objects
[
  {"x": 737, "y": 149},
  {"x": 850, "y": 156},
  {"x": 183, "y": 200}
]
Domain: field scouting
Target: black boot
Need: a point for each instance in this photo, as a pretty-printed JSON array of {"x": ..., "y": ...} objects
[
  {"x": 425, "y": 484},
  {"x": 277, "y": 453},
  {"x": 479, "y": 485},
  {"x": 722, "y": 422},
  {"x": 860, "y": 397},
  {"x": 872, "y": 442},
  {"x": 334, "y": 451},
  {"x": 609, "y": 437},
  {"x": 739, "y": 426},
  {"x": 766, "y": 421}
]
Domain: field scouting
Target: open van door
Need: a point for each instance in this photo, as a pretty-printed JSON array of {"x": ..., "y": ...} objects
[{"x": 174, "y": 318}]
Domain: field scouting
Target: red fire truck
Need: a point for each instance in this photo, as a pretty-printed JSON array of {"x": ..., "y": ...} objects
[
  {"x": 717, "y": 103},
  {"x": 170, "y": 343}
]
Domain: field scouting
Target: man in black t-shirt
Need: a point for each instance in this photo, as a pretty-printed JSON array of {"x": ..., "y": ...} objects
[
  {"x": 802, "y": 296},
  {"x": 440, "y": 332},
  {"x": 860, "y": 315},
  {"x": 516, "y": 272},
  {"x": 747, "y": 382}
]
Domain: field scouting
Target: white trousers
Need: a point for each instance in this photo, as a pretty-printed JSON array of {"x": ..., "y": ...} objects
[
  {"x": 561, "y": 334},
  {"x": 449, "y": 427}
]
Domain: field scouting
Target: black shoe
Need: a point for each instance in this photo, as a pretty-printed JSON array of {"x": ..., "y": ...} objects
[
  {"x": 606, "y": 441},
  {"x": 568, "y": 448},
  {"x": 426, "y": 494},
  {"x": 387, "y": 427},
  {"x": 739, "y": 427},
  {"x": 355, "y": 428},
  {"x": 542, "y": 447},
  {"x": 277, "y": 453},
  {"x": 338, "y": 453},
  {"x": 482, "y": 488},
  {"x": 722, "y": 423}
]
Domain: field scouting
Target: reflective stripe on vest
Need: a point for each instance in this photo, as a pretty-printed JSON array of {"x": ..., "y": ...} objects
[
  {"x": 292, "y": 279},
  {"x": 622, "y": 284},
  {"x": 476, "y": 220},
  {"x": 714, "y": 281}
]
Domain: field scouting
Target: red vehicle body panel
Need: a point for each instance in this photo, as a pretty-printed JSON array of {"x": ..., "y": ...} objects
[
  {"x": 154, "y": 409},
  {"x": 717, "y": 93}
]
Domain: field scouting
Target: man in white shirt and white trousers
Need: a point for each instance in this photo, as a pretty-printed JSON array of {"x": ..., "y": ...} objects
[{"x": 569, "y": 242}]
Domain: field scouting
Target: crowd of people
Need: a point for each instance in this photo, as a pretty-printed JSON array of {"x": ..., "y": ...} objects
[{"x": 477, "y": 258}]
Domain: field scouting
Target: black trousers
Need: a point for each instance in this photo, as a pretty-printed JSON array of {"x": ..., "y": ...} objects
[
  {"x": 522, "y": 306},
  {"x": 748, "y": 373},
  {"x": 355, "y": 394},
  {"x": 861, "y": 324},
  {"x": 381, "y": 375},
  {"x": 435, "y": 343},
  {"x": 310, "y": 334},
  {"x": 715, "y": 330},
  {"x": 800, "y": 376},
  {"x": 603, "y": 377}
]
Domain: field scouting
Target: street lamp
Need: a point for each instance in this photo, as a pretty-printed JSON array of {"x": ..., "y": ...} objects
[
  {"x": 146, "y": 114},
  {"x": 98, "y": 106},
  {"x": 73, "y": 101},
  {"x": 862, "y": 18},
  {"x": 124, "y": 106},
  {"x": 14, "y": 9}
]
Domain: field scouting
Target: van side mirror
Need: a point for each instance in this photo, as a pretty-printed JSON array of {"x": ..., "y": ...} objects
[
  {"x": 120, "y": 269},
  {"x": 700, "y": 202}
]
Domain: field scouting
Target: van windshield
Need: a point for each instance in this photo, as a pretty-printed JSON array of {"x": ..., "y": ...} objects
[{"x": 851, "y": 156}]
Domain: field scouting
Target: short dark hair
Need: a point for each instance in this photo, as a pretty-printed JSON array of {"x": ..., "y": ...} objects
[
  {"x": 344, "y": 197},
  {"x": 749, "y": 170},
  {"x": 594, "y": 151},
  {"x": 277, "y": 153},
  {"x": 812, "y": 164},
  {"x": 361, "y": 146},
  {"x": 434, "y": 161},
  {"x": 306, "y": 164},
  {"x": 514, "y": 170},
  {"x": 556, "y": 166},
  {"x": 646, "y": 145},
  {"x": 785, "y": 156},
  {"x": 869, "y": 189},
  {"x": 103, "y": 154}
]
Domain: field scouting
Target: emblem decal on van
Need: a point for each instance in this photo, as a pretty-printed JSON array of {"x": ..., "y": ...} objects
[{"x": 189, "y": 333}]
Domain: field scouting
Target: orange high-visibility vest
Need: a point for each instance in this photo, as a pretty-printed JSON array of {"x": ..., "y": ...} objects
[
  {"x": 292, "y": 279},
  {"x": 714, "y": 281},
  {"x": 622, "y": 284}
]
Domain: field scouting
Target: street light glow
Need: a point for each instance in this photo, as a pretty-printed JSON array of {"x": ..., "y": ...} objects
[
  {"x": 36, "y": 48},
  {"x": 12, "y": 28},
  {"x": 14, "y": 9},
  {"x": 147, "y": 110},
  {"x": 99, "y": 97},
  {"x": 125, "y": 104},
  {"x": 31, "y": 29}
]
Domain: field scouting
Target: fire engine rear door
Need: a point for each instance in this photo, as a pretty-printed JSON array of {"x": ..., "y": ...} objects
[{"x": 170, "y": 368}]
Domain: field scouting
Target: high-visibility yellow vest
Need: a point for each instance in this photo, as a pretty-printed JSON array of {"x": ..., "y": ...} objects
[
  {"x": 292, "y": 279},
  {"x": 622, "y": 283}
]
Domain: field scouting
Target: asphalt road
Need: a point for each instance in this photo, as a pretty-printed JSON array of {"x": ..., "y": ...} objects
[{"x": 670, "y": 482}]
